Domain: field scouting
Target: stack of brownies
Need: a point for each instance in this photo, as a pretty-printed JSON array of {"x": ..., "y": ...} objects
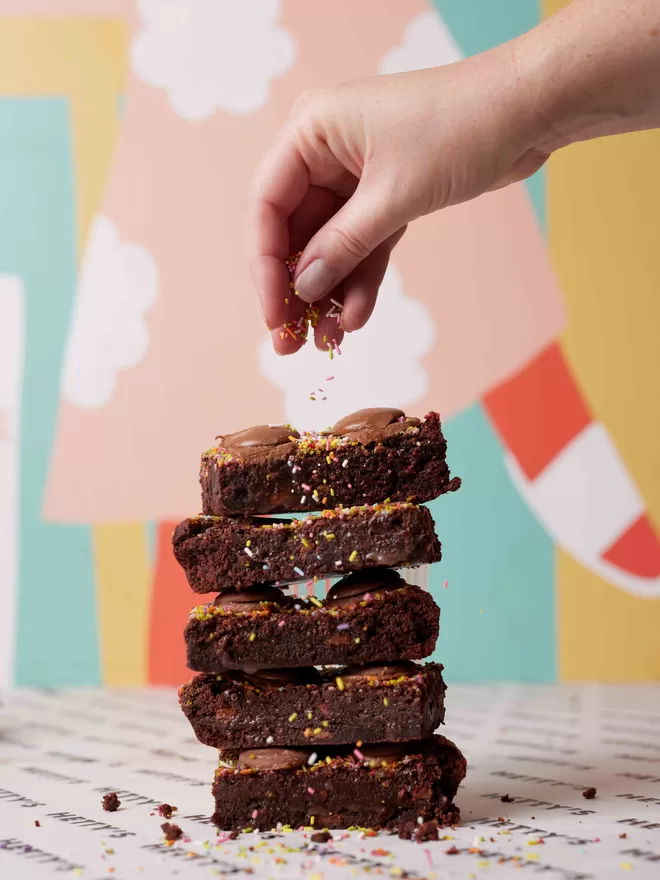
[{"x": 322, "y": 716}]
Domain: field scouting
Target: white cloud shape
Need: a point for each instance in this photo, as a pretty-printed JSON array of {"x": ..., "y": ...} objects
[
  {"x": 118, "y": 285},
  {"x": 427, "y": 42},
  {"x": 381, "y": 366},
  {"x": 212, "y": 54}
]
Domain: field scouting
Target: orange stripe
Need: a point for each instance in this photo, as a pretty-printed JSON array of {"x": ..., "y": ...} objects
[
  {"x": 538, "y": 411},
  {"x": 172, "y": 600}
]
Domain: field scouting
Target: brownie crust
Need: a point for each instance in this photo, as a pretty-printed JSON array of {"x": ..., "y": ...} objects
[
  {"x": 240, "y": 711},
  {"x": 398, "y": 624},
  {"x": 345, "y": 792},
  {"x": 220, "y": 552},
  {"x": 400, "y": 461}
]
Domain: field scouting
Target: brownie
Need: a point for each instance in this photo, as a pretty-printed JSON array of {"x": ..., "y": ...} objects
[
  {"x": 291, "y": 707},
  {"x": 370, "y": 456},
  {"x": 366, "y": 617},
  {"x": 221, "y": 552},
  {"x": 381, "y": 786}
]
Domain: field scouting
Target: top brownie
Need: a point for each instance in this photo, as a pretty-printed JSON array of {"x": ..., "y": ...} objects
[{"x": 367, "y": 457}]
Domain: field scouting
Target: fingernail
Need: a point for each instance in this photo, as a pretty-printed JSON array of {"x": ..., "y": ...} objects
[{"x": 316, "y": 280}]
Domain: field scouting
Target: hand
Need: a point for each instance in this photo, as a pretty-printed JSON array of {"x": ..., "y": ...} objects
[{"x": 354, "y": 164}]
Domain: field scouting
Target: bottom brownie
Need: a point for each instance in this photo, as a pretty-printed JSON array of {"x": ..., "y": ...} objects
[{"x": 378, "y": 786}]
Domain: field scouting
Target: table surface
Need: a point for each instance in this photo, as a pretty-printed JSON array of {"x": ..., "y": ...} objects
[{"x": 60, "y": 751}]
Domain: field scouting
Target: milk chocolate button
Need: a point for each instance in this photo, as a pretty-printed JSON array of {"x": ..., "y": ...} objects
[
  {"x": 379, "y": 671},
  {"x": 280, "y": 677},
  {"x": 258, "y": 437},
  {"x": 387, "y": 751},
  {"x": 273, "y": 759},
  {"x": 248, "y": 600},
  {"x": 351, "y": 589},
  {"x": 364, "y": 419}
]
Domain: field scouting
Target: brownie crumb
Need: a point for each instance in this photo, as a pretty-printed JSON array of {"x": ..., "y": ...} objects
[
  {"x": 452, "y": 851},
  {"x": 166, "y": 810},
  {"x": 426, "y": 831},
  {"x": 233, "y": 835},
  {"x": 406, "y": 831},
  {"x": 171, "y": 832},
  {"x": 589, "y": 794},
  {"x": 37, "y": 823},
  {"x": 506, "y": 799},
  {"x": 623, "y": 836},
  {"x": 111, "y": 802},
  {"x": 321, "y": 837}
]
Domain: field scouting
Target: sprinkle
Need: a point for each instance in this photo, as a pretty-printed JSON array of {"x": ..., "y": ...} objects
[
  {"x": 299, "y": 571},
  {"x": 315, "y": 601},
  {"x": 316, "y": 731},
  {"x": 445, "y": 584},
  {"x": 312, "y": 760},
  {"x": 306, "y": 487},
  {"x": 386, "y": 702},
  {"x": 252, "y": 636},
  {"x": 249, "y": 552},
  {"x": 255, "y": 813},
  {"x": 343, "y": 626},
  {"x": 281, "y": 623},
  {"x": 312, "y": 819},
  {"x": 306, "y": 544},
  {"x": 344, "y": 463},
  {"x": 293, "y": 716},
  {"x": 358, "y": 754},
  {"x": 310, "y": 790},
  {"x": 329, "y": 378},
  {"x": 309, "y": 716},
  {"x": 340, "y": 683},
  {"x": 269, "y": 740},
  {"x": 353, "y": 556},
  {"x": 325, "y": 723}
]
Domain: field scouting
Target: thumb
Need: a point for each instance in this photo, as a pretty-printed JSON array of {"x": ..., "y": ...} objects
[{"x": 366, "y": 220}]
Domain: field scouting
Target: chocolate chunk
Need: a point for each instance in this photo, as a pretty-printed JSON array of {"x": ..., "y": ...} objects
[
  {"x": 506, "y": 799},
  {"x": 255, "y": 440},
  {"x": 248, "y": 600},
  {"x": 166, "y": 810},
  {"x": 111, "y": 802},
  {"x": 386, "y": 753},
  {"x": 378, "y": 672},
  {"x": 364, "y": 419},
  {"x": 321, "y": 837},
  {"x": 589, "y": 794},
  {"x": 353, "y": 588},
  {"x": 37, "y": 823},
  {"x": 273, "y": 759},
  {"x": 171, "y": 832},
  {"x": 280, "y": 677}
]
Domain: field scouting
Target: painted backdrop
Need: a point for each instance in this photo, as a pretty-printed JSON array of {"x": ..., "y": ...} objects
[{"x": 130, "y": 337}]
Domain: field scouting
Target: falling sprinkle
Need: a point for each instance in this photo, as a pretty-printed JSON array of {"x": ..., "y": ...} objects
[{"x": 445, "y": 584}]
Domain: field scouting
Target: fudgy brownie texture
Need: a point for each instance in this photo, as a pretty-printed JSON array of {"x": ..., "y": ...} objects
[
  {"x": 367, "y": 457},
  {"x": 382, "y": 786},
  {"x": 368, "y": 617},
  {"x": 221, "y": 552},
  {"x": 291, "y": 707}
]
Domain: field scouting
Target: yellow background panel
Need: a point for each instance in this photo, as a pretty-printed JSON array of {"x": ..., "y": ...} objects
[{"x": 603, "y": 227}]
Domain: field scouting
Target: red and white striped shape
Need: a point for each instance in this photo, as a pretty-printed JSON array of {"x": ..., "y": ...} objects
[{"x": 569, "y": 471}]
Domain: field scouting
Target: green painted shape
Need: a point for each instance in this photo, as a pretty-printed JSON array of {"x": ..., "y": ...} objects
[
  {"x": 57, "y": 629},
  {"x": 478, "y": 25},
  {"x": 496, "y": 557}
]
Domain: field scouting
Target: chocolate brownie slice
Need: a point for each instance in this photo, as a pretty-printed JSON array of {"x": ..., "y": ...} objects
[
  {"x": 378, "y": 786},
  {"x": 221, "y": 552},
  {"x": 369, "y": 456},
  {"x": 290, "y": 707},
  {"x": 367, "y": 617}
]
